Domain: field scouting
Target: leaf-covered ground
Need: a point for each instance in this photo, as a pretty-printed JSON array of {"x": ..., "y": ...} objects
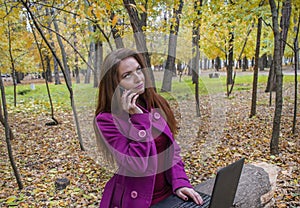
[{"x": 222, "y": 134}]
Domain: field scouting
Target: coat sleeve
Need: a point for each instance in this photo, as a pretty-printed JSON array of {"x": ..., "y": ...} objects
[
  {"x": 176, "y": 175},
  {"x": 134, "y": 148}
]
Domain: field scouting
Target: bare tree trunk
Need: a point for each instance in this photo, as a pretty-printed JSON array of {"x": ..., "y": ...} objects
[
  {"x": 63, "y": 52},
  {"x": 296, "y": 57},
  {"x": 138, "y": 21},
  {"x": 255, "y": 70},
  {"x": 116, "y": 33},
  {"x": 2, "y": 122},
  {"x": 284, "y": 25},
  {"x": 196, "y": 51},
  {"x": 91, "y": 52},
  {"x": 170, "y": 64},
  {"x": 55, "y": 122},
  {"x": 7, "y": 136},
  {"x": 230, "y": 60},
  {"x": 12, "y": 62},
  {"x": 48, "y": 74},
  {"x": 98, "y": 62},
  {"x": 76, "y": 67},
  {"x": 230, "y": 80},
  {"x": 279, "y": 76},
  {"x": 56, "y": 72}
]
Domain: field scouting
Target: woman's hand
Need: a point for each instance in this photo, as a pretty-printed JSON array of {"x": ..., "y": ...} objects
[
  {"x": 185, "y": 193},
  {"x": 128, "y": 100}
]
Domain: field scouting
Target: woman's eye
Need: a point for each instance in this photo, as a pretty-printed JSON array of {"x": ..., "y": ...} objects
[
  {"x": 139, "y": 69},
  {"x": 126, "y": 76}
]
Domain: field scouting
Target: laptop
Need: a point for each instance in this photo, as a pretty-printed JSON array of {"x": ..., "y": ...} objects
[{"x": 223, "y": 193}]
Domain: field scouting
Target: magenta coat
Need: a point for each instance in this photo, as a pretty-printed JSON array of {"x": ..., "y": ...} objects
[{"x": 131, "y": 140}]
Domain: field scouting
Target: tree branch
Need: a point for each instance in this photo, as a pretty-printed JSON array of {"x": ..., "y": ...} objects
[{"x": 67, "y": 41}]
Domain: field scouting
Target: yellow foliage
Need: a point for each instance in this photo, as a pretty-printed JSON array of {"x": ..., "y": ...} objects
[{"x": 115, "y": 20}]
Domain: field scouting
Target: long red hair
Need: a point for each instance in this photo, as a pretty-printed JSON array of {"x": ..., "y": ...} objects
[{"x": 109, "y": 83}]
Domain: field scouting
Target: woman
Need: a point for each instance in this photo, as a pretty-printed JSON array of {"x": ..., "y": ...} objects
[{"x": 135, "y": 133}]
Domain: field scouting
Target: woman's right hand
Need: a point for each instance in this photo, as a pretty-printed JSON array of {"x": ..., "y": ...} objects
[
  {"x": 185, "y": 193},
  {"x": 128, "y": 100}
]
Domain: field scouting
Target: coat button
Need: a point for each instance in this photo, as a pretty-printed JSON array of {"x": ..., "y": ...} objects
[
  {"x": 156, "y": 115},
  {"x": 142, "y": 133},
  {"x": 134, "y": 194}
]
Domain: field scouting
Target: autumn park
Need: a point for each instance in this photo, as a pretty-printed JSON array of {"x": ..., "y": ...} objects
[{"x": 228, "y": 69}]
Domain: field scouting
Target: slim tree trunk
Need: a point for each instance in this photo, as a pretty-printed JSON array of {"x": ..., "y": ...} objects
[
  {"x": 2, "y": 122},
  {"x": 56, "y": 72},
  {"x": 77, "y": 74},
  {"x": 89, "y": 70},
  {"x": 196, "y": 51},
  {"x": 12, "y": 62},
  {"x": 63, "y": 52},
  {"x": 7, "y": 136},
  {"x": 278, "y": 71},
  {"x": 98, "y": 61},
  {"x": 255, "y": 70},
  {"x": 116, "y": 33},
  {"x": 170, "y": 64},
  {"x": 296, "y": 57},
  {"x": 55, "y": 122},
  {"x": 48, "y": 74},
  {"x": 230, "y": 60}
]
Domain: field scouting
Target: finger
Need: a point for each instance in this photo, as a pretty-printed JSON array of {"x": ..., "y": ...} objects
[
  {"x": 126, "y": 93},
  {"x": 130, "y": 99},
  {"x": 181, "y": 195},
  {"x": 134, "y": 99},
  {"x": 193, "y": 195},
  {"x": 197, "y": 198}
]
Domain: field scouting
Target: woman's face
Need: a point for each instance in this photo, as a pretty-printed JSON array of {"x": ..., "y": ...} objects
[{"x": 130, "y": 75}]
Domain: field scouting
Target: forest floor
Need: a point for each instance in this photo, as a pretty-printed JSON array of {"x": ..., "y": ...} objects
[{"x": 222, "y": 134}]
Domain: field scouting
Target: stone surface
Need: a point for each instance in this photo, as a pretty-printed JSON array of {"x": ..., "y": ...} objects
[{"x": 256, "y": 186}]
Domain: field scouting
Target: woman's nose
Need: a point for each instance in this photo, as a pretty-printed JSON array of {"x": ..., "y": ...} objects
[{"x": 137, "y": 77}]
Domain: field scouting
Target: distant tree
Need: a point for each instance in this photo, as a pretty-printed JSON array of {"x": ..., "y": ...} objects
[
  {"x": 255, "y": 70},
  {"x": 55, "y": 65},
  {"x": 170, "y": 70}
]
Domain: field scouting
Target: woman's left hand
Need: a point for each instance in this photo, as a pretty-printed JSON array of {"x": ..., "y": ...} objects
[{"x": 185, "y": 193}]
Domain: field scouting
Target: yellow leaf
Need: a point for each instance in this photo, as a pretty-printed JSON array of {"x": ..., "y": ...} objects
[
  {"x": 142, "y": 8},
  {"x": 115, "y": 20},
  {"x": 10, "y": 199}
]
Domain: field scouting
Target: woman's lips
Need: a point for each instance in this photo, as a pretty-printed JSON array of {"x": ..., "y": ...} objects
[{"x": 141, "y": 86}]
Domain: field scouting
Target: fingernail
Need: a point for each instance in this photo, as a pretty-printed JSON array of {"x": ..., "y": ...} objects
[{"x": 185, "y": 198}]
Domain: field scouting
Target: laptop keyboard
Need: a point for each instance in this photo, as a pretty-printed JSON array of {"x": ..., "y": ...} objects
[{"x": 191, "y": 204}]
